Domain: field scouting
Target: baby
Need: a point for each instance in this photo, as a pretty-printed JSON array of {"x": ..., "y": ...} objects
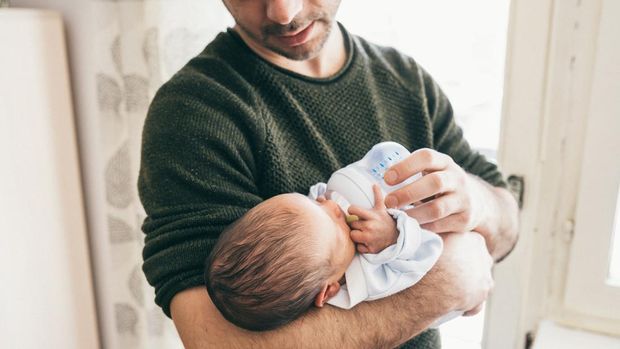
[{"x": 292, "y": 251}]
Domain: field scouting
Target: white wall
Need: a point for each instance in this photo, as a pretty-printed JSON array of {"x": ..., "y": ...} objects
[
  {"x": 79, "y": 19},
  {"x": 46, "y": 297}
]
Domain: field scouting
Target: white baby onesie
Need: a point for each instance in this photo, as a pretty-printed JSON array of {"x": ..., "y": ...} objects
[{"x": 397, "y": 267}]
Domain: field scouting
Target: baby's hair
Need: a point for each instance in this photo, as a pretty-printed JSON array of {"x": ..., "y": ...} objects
[{"x": 266, "y": 269}]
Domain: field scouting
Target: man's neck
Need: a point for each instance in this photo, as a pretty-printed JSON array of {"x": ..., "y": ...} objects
[{"x": 328, "y": 62}]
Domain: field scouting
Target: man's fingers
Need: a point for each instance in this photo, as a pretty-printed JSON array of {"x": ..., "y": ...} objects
[
  {"x": 427, "y": 160},
  {"x": 436, "y": 209},
  {"x": 475, "y": 310},
  {"x": 455, "y": 223},
  {"x": 432, "y": 184}
]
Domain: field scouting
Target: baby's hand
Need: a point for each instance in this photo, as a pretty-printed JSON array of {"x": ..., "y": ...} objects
[{"x": 376, "y": 229}]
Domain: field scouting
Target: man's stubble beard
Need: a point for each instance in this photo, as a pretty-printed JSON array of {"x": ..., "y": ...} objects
[{"x": 297, "y": 53}]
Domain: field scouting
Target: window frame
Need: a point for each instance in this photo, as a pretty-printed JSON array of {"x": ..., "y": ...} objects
[
  {"x": 549, "y": 73},
  {"x": 587, "y": 289}
]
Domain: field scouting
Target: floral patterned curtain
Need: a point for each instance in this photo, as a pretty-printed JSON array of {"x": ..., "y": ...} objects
[{"x": 139, "y": 44}]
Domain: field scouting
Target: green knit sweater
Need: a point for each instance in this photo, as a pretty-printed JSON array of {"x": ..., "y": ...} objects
[{"x": 230, "y": 130}]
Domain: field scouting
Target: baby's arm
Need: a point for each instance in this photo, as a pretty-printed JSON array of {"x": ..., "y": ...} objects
[
  {"x": 397, "y": 264},
  {"x": 376, "y": 228}
]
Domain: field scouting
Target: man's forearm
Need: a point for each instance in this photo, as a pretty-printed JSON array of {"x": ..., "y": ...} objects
[
  {"x": 383, "y": 323},
  {"x": 460, "y": 280},
  {"x": 500, "y": 228}
]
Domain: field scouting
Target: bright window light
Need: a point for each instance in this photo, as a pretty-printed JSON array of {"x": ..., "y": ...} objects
[
  {"x": 462, "y": 45},
  {"x": 614, "y": 263}
]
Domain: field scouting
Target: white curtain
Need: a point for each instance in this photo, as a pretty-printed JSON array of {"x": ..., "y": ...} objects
[
  {"x": 139, "y": 45},
  {"x": 120, "y": 53}
]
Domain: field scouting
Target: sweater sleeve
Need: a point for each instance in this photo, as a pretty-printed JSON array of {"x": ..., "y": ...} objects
[
  {"x": 200, "y": 150},
  {"x": 448, "y": 136}
]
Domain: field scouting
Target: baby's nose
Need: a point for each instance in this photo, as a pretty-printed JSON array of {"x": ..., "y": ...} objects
[{"x": 334, "y": 206}]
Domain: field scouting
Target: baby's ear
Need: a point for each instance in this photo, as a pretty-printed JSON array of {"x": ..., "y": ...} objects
[{"x": 327, "y": 292}]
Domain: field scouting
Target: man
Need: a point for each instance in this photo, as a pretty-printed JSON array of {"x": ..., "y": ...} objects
[{"x": 276, "y": 104}]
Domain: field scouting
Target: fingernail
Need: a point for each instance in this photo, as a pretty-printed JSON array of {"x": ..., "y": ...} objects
[
  {"x": 390, "y": 176},
  {"x": 391, "y": 202}
]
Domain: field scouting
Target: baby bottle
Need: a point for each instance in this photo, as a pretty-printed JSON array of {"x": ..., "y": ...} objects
[{"x": 352, "y": 185}]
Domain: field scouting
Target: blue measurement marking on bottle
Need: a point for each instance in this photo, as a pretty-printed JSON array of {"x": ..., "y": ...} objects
[
  {"x": 389, "y": 160},
  {"x": 375, "y": 172}
]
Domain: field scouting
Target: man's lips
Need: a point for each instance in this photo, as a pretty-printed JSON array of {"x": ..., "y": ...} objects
[{"x": 297, "y": 38}]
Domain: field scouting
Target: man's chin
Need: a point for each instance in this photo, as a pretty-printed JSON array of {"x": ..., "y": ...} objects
[
  {"x": 308, "y": 50},
  {"x": 302, "y": 52},
  {"x": 297, "y": 53}
]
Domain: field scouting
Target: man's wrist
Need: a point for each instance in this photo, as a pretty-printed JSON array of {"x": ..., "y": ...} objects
[
  {"x": 490, "y": 216},
  {"x": 498, "y": 224}
]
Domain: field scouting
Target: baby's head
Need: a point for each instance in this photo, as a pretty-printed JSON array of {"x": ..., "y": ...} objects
[{"x": 274, "y": 262}]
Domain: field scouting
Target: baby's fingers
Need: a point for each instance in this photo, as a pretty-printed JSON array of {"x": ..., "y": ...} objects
[
  {"x": 378, "y": 197},
  {"x": 362, "y": 213},
  {"x": 359, "y": 225},
  {"x": 362, "y": 248},
  {"x": 360, "y": 237}
]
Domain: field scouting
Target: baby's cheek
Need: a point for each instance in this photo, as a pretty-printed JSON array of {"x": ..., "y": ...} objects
[{"x": 351, "y": 252}]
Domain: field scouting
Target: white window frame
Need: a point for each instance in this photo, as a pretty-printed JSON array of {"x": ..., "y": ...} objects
[
  {"x": 588, "y": 290},
  {"x": 550, "y": 63}
]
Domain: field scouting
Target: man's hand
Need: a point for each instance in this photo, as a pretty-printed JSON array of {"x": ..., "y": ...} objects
[
  {"x": 376, "y": 229},
  {"x": 465, "y": 265},
  {"x": 447, "y": 199}
]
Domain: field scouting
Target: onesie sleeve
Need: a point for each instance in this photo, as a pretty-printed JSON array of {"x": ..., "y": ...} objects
[{"x": 317, "y": 190}]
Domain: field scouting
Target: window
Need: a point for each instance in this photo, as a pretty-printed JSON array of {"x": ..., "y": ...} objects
[
  {"x": 462, "y": 45},
  {"x": 614, "y": 263},
  {"x": 592, "y": 286}
]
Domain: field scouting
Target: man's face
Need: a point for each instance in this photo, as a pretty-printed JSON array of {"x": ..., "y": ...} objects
[{"x": 295, "y": 29}]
